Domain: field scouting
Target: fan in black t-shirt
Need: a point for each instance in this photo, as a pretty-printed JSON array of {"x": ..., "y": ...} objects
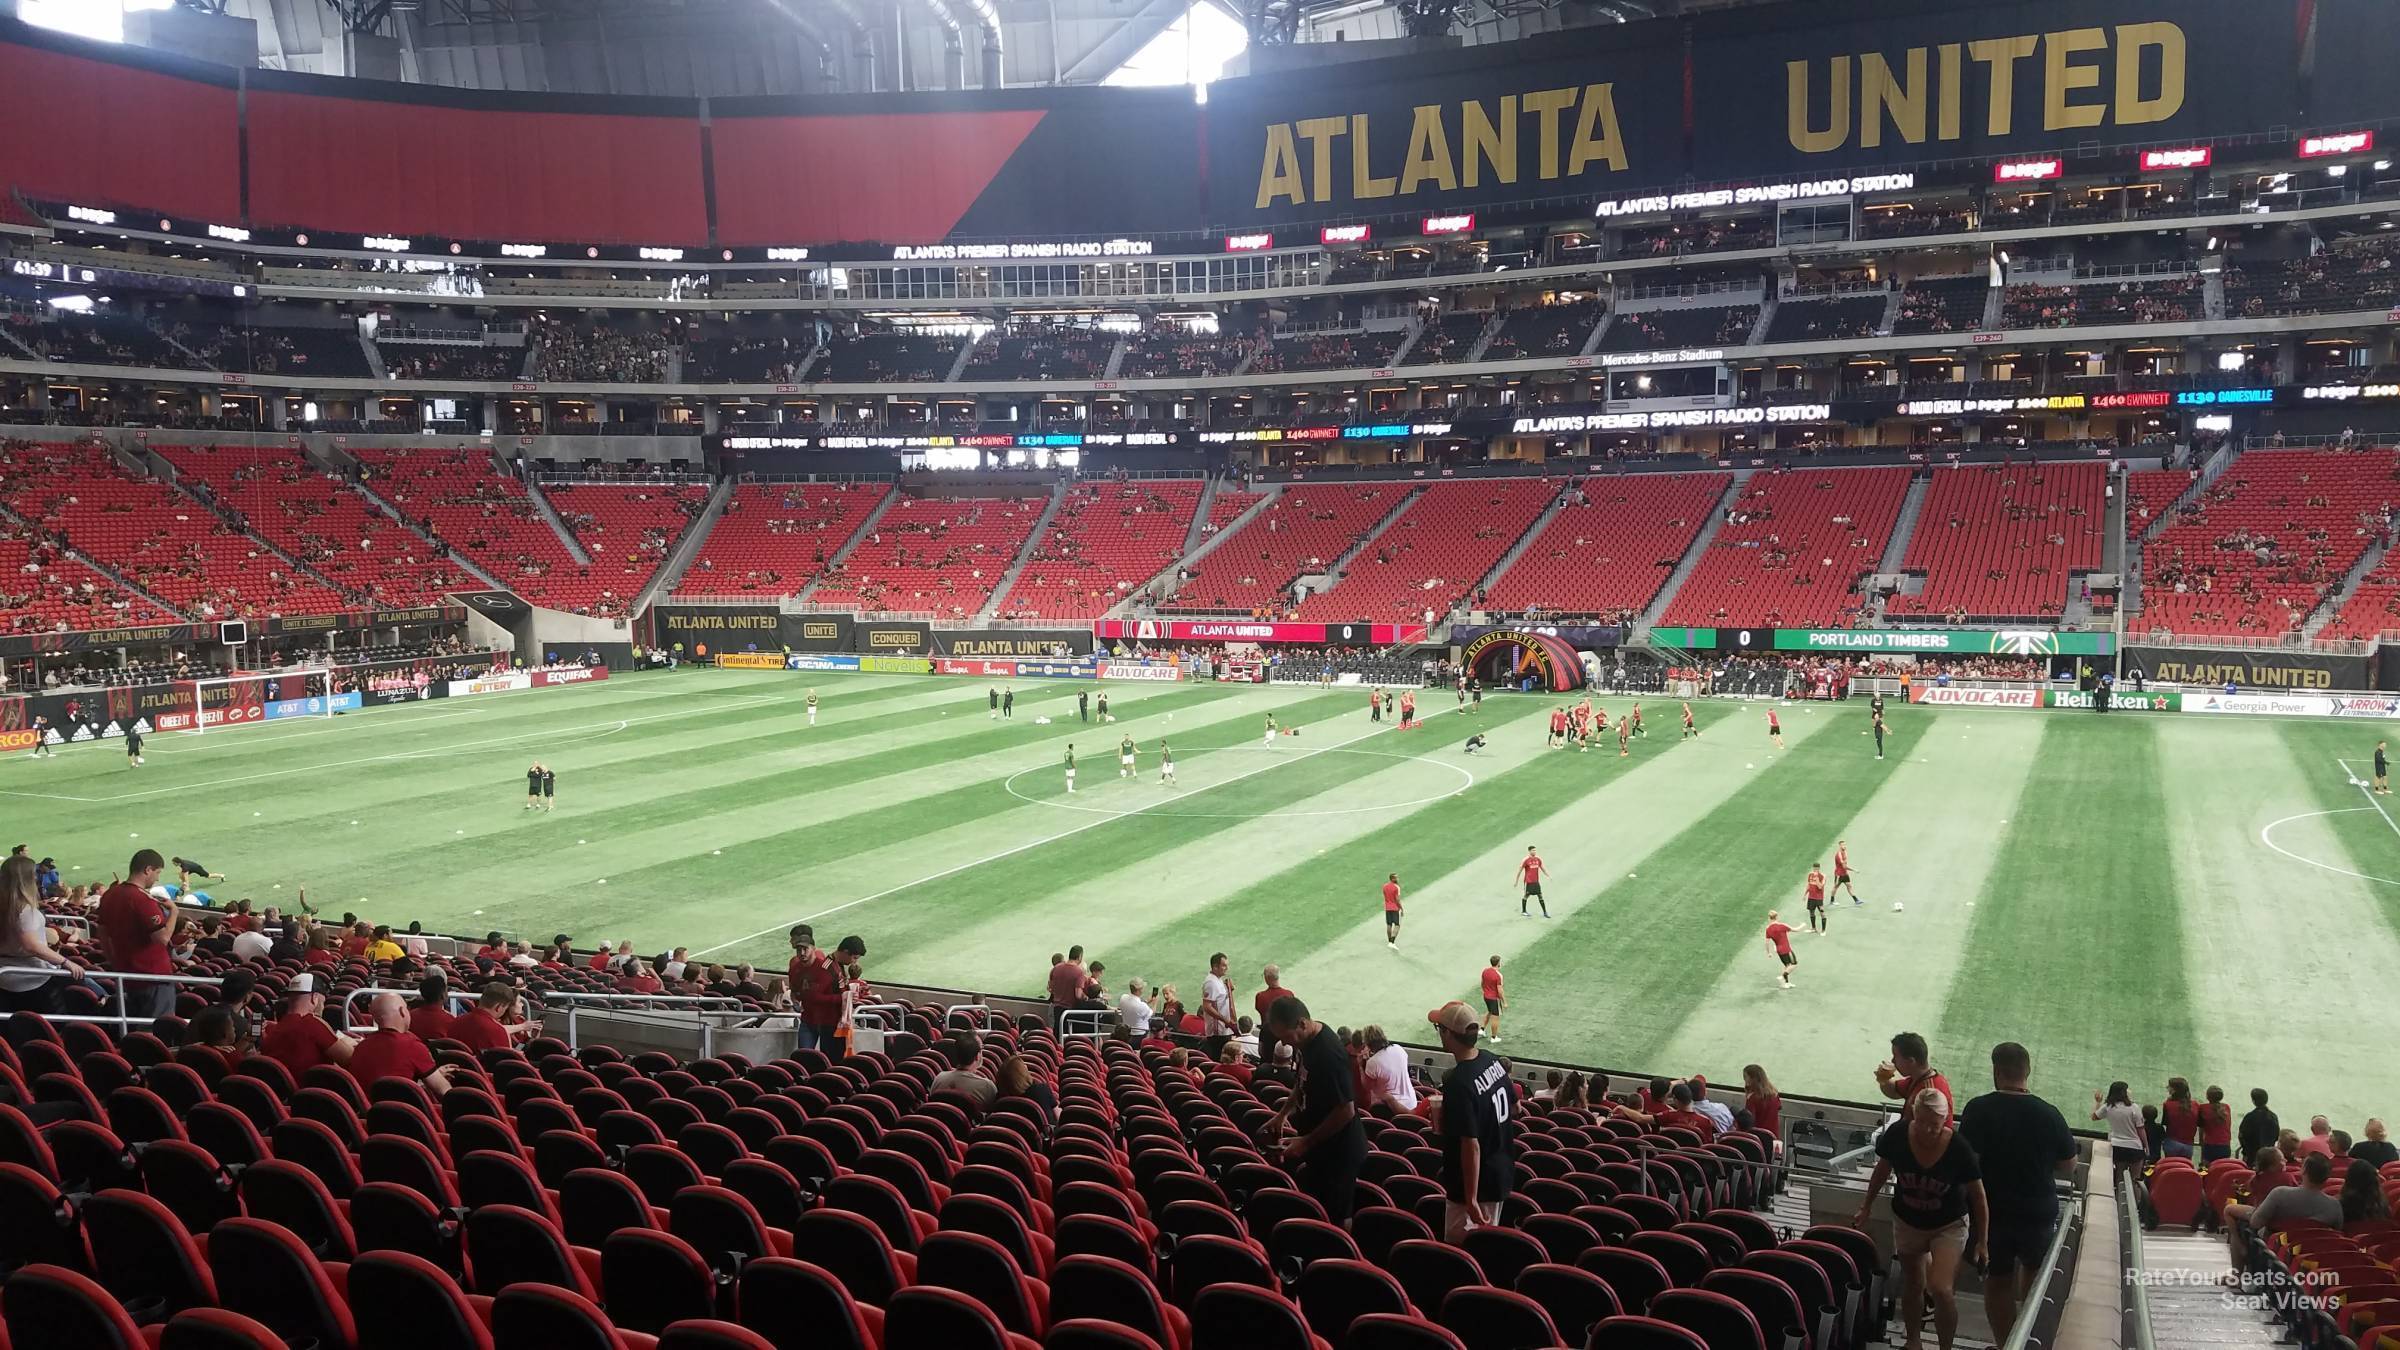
[
  {"x": 1477, "y": 1104},
  {"x": 1328, "y": 1143},
  {"x": 2024, "y": 1147}
]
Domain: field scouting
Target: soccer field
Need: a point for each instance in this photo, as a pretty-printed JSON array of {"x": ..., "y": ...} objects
[{"x": 2131, "y": 895}]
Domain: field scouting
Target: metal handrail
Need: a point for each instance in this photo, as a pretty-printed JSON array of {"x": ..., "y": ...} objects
[
  {"x": 2134, "y": 1331},
  {"x": 123, "y": 1019},
  {"x": 2038, "y": 1294}
]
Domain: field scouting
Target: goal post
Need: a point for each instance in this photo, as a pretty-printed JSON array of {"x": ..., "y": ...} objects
[{"x": 222, "y": 702}]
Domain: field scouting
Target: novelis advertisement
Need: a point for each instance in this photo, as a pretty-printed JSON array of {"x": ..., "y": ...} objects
[{"x": 895, "y": 665}]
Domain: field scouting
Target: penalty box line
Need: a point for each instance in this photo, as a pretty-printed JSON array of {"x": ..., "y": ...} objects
[
  {"x": 1276, "y": 763},
  {"x": 2367, "y": 790}
]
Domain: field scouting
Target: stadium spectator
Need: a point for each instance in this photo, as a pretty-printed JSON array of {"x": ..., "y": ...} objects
[
  {"x": 300, "y": 1040},
  {"x": 253, "y": 945},
  {"x": 639, "y": 979},
  {"x": 1939, "y": 1214},
  {"x": 1716, "y": 1113},
  {"x": 1066, "y": 982},
  {"x": 1270, "y": 989},
  {"x": 2320, "y": 1137},
  {"x": 2260, "y": 1127},
  {"x": 2025, "y": 1147},
  {"x": 1910, "y": 1070},
  {"x": 493, "y": 1022},
  {"x": 381, "y": 948},
  {"x": 1761, "y": 1100},
  {"x": 2305, "y": 1200},
  {"x": 1389, "y": 1090},
  {"x": 1478, "y": 1165},
  {"x": 2363, "y": 1200},
  {"x": 216, "y": 1032},
  {"x": 1018, "y": 1081},
  {"x": 2216, "y": 1127},
  {"x": 1673, "y": 1113},
  {"x": 431, "y": 1019},
  {"x": 2179, "y": 1120},
  {"x": 2128, "y": 1143},
  {"x": 2375, "y": 1148},
  {"x": 133, "y": 928},
  {"x": 392, "y": 1051},
  {"x": 1233, "y": 1064},
  {"x": 1133, "y": 1015},
  {"x": 32, "y": 973},
  {"x": 1327, "y": 1144},
  {"x": 1216, "y": 1004},
  {"x": 964, "y": 1074}
]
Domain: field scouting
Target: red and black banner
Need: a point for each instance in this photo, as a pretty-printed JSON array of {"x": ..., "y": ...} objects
[{"x": 1772, "y": 96}]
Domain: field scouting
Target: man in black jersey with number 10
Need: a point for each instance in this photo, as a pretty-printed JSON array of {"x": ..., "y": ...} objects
[{"x": 1477, "y": 1103}]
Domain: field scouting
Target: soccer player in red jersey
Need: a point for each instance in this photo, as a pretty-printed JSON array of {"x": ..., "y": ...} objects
[
  {"x": 1493, "y": 1001},
  {"x": 1816, "y": 899},
  {"x": 1779, "y": 941},
  {"x": 1774, "y": 728},
  {"x": 1624, "y": 738},
  {"x": 1408, "y": 710},
  {"x": 1688, "y": 729},
  {"x": 1558, "y": 727},
  {"x": 1391, "y": 911},
  {"x": 1530, "y": 873},
  {"x": 1841, "y": 870}
]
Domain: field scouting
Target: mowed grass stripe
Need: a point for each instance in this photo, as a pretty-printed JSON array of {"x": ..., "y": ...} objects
[
  {"x": 1696, "y": 892},
  {"x": 2237, "y": 905},
  {"x": 919, "y": 916},
  {"x": 763, "y": 882},
  {"x": 644, "y": 790},
  {"x": 1322, "y": 901},
  {"x": 2076, "y": 950},
  {"x": 1974, "y": 763}
]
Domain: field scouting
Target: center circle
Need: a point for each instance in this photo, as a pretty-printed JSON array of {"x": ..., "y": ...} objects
[
  {"x": 1010, "y": 786},
  {"x": 2266, "y": 835}
]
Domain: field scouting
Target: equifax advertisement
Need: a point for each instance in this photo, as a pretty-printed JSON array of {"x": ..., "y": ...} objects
[{"x": 557, "y": 675}]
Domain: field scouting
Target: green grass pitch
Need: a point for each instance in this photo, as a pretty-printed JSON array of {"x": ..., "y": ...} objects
[{"x": 2132, "y": 896}]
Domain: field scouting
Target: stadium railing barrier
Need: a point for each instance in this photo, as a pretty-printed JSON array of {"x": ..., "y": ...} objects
[
  {"x": 2134, "y": 1331},
  {"x": 122, "y": 1019}
]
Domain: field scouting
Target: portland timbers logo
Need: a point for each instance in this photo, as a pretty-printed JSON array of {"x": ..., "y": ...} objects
[{"x": 2025, "y": 642}]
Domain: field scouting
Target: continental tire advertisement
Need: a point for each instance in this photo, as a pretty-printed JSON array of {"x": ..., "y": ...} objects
[{"x": 2250, "y": 670}]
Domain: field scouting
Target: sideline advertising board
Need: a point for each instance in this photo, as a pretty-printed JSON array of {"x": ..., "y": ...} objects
[
  {"x": 550, "y": 677},
  {"x": 819, "y": 661},
  {"x": 1004, "y": 643},
  {"x": 702, "y": 631},
  {"x": 492, "y": 684},
  {"x": 2124, "y": 699},
  {"x": 1945, "y": 641},
  {"x": 2262, "y": 705},
  {"x": 2250, "y": 668},
  {"x": 895, "y": 665},
  {"x": 987, "y": 670},
  {"x": 1140, "y": 670},
  {"x": 750, "y": 660},
  {"x": 1256, "y": 630},
  {"x": 1949, "y": 697},
  {"x": 313, "y": 706}
]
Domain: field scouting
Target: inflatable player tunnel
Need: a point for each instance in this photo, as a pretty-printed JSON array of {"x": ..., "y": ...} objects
[{"x": 1511, "y": 656}]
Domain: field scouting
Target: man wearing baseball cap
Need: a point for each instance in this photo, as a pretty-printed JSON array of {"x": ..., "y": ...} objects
[
  {"x": 299, "y": 1040},
  {"x": 1477, "y": 1166}
]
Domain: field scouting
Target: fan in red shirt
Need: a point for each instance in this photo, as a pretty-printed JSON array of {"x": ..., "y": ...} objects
[
  {"x": 491, "y": 1023},
  {"x": 1677, "y": 1114},
  {"x": 391, "y": 1050},
  {"x": 134, "y": 928},
  {"x": 1066, "y": 979},
  {"x": 1910, "y": 1070},
  {"x": 1779, "y": 941},
  {"x": 299, "y": 1040},
  {"x": 1774, "y": 728},
  {"x": 1270, "y": 989},
  {"x": 430, "y": 1019},
  {"x": 494, "y": 950}
]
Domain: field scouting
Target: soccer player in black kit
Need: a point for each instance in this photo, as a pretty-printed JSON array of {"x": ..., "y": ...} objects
[
  {"x": 533, "y": 787},
  {"x": 133, "y": 746},
  {"x": 549, "y": 789},
  {"x": 1008, "y": 703},
  {"x": 1879, "y": 735}
]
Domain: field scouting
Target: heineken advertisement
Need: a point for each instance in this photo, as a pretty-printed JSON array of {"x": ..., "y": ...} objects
[
  {"x": 1945, "y": 641},
  {"x": 2123, "y": 700}
]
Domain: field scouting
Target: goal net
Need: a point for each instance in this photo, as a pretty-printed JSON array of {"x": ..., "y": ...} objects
[{"x": 221, "y": 702}]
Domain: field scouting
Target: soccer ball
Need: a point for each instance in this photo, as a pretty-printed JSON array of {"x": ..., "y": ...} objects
[
  {"x": 1897, "y": 906},
  {"x": 2358, "y": 782}
]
